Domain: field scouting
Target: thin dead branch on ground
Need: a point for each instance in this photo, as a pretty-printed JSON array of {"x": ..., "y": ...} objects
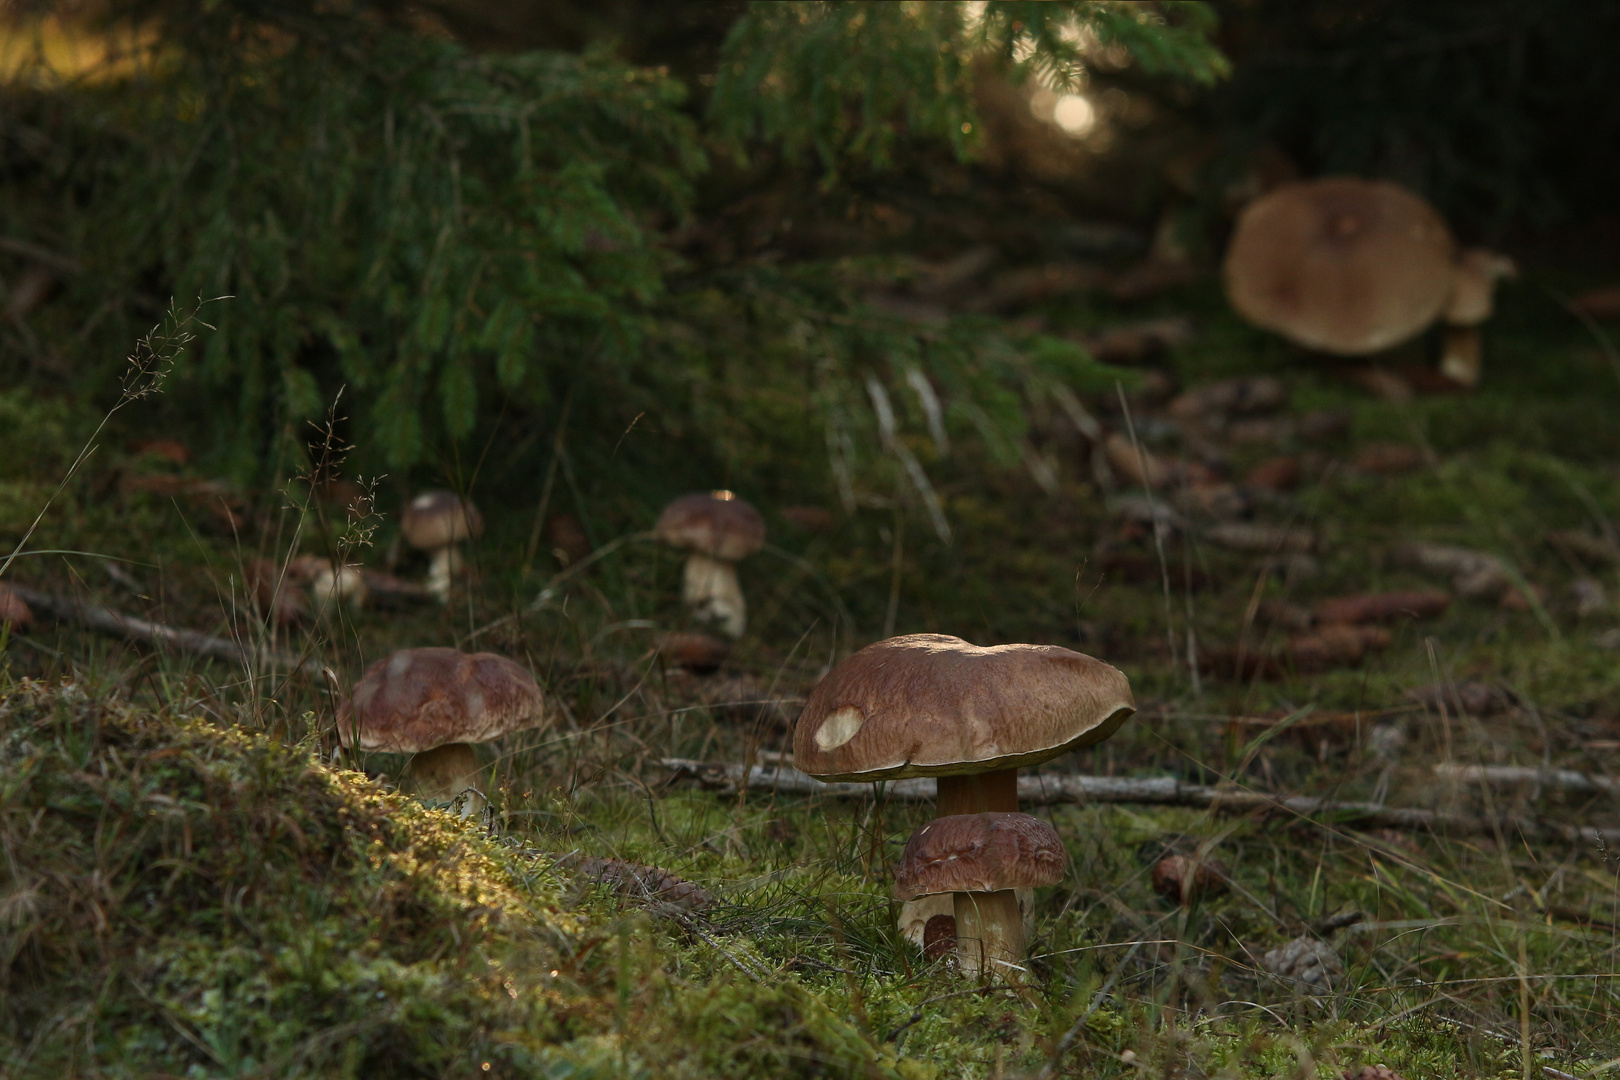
[
  {"x": 118, "y": 624},
  {"x": 1051, "y": 789}
]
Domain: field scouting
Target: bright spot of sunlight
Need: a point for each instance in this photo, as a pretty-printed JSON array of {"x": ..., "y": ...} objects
[{"x": 1074, "y": 114}]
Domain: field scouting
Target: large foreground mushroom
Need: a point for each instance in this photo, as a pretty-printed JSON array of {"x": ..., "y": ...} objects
[
  {"x": 717, "y": 528},
  {"x": 434, "y": 702},
  {"x": 934, "y": 705},
  {"x": 1352, "y": 267}
]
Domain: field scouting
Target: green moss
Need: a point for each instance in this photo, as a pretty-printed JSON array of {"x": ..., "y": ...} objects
[{"x": 181, "y": 896}]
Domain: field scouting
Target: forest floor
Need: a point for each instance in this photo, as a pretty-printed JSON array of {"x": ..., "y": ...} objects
[{"x": 186, "y": 894}]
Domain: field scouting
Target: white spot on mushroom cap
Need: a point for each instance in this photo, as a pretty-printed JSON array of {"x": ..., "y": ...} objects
[
  {"x": 841, "y": 725},
  {"x": 399, "y": 664}
]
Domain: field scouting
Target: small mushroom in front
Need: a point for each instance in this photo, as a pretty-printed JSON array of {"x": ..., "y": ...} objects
[{"x": 981, "y": 859}]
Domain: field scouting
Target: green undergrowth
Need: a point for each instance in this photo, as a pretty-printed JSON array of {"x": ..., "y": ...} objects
[
  {"x": 186, "y": 892},
  {"x": 184, "y": 897}
]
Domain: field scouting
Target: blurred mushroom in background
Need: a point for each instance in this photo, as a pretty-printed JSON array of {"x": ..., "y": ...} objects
[
  {"x": 13, "y": 612},
  {"x": 334, "y": 585},
  {"x": 1352, "y": 267},
  {"x": 717, "y": 528},
  {"x": 436, "y": 522},
  {"x": 1473, "y": 299}
]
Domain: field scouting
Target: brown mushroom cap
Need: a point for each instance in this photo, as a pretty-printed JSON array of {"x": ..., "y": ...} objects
[
  {"x": 980, "y": 853},
  {"x": 437, "y": 519},
  {"x": 1342, "y": 265},
  {"x": 934, "y": 705},
  {"x": 13, "y": 612},
  {"x": 715, "y": 523},
  {"x": 417, "y": 699}
]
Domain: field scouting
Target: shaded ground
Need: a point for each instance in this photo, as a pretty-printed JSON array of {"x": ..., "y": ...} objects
[{"x": 1456, "y": 949}]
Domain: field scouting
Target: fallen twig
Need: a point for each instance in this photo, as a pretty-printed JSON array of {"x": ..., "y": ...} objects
[
  {"x": 1050, "y": 788},
  {"x": 1512, "y": 775},
  {"x": 116, "y": 623}
]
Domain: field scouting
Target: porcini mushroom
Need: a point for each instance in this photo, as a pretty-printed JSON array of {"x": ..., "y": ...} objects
[
  {"x": 334, "y": 585},
  {"x": 980, "y": 859},
  {"x": 1473, "y": 295},
  {"x": 718, "y": 529},
  {"x": 13, "y": 612},
  {"x": 433, "y": 702},
  {"x": 934, "y": 705},
  {"x": 1343, "y": 265},
  {"x": 435, "y": 522}
]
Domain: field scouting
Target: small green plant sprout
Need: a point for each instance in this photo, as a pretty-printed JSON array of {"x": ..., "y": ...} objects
[
  {"x": 434, "y": 702},
  {"x": 717, "y": 528},
  {"x": 934, "y": 705}
]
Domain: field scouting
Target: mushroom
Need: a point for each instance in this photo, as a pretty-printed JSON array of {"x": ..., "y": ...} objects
[
  {"x": 435, "y": 522},
  {"x": 717, "y": 528},
  {"x": 1182, "y": 879},
  {"x": 1343, "y": 265},
  {"x": 432, "y": 702},
  {"x": 697, "y": 653},
  {"x": 1473, "y": 295},
  {"x": 13, "y": 612},
  {"x": 334, "y": 585},
  {"x": 934, "y": 705},
  {"x": 980, "y": 859}
]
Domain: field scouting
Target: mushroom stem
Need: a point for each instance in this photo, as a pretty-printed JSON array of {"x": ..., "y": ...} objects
[
  {"x": 989, "y": 934},
  {"x": 980, "y": 793},
  {"x": 1460, "y": 355},
  {"x": 710, "y": 587},
  {"x": 443, "y": 773},
  {"x": 446, "y": 563}
]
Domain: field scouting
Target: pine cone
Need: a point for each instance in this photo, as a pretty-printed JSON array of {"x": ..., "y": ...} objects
[{"x": 642, "y": 882}]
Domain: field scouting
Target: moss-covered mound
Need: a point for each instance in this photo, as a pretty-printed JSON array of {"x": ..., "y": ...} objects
[{"x": 177, "y": 898}]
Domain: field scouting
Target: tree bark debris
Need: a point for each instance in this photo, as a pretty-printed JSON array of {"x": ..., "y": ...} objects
[{"x": 1051, "y": 788}]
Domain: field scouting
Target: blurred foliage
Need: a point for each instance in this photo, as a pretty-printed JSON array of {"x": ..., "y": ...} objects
[
  {"x": 846, "y": 79},
  {"x": 453, "y": 235},
  {"x": 1497, "y": 110}
]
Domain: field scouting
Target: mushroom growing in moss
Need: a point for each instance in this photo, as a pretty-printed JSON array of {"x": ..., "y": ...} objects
[
  {"x": 433, "y": 703},
  {"x": 981, "y": 860},
  {"x": 718, "y": 529},
  {"x": 934, "y": 705}
]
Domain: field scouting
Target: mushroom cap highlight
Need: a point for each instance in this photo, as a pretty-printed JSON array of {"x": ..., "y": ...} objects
[
  {"x": 934, "y": 705},
  {"x": 418, "y": 699},
  {"x": 715, "y": 523},
  {"x": 1343, "y": 265},
  {"x": 980, "y": 853},
  {"x": 437, "y": 519}
]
